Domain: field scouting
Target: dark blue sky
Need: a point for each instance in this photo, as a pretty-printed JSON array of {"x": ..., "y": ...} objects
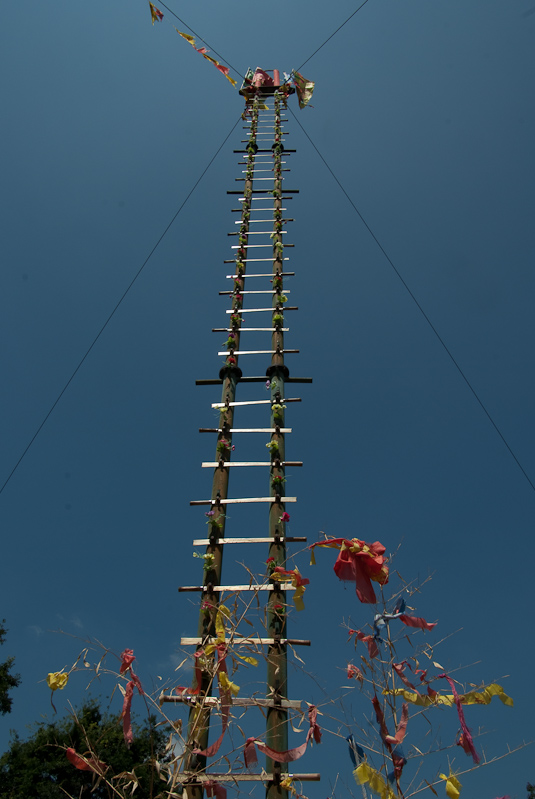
[{"x": 424, "y": 111}]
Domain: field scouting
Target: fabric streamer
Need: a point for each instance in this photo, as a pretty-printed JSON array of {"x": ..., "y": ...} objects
[
  {"x": 355, "y": 751},
  {"x": 465, "y": 739},
  {"x": 225, "y": 693},
  {"x": 127, "y": 658},
  {"x": 353, "y": 671},
  {"x": 56, "y": 680},
  {"x": 303, "y": 87},
  {"x": 366, "y": 639},
  {"x": 298, "y": 582},
  {"x": 453, "y": 786},
  {"x": 366, "y": 774},
  {"x": 155, "y": 13},
  {"x": 214, "y": 789},
  {"x": 85, "y": 763},
  {"x": 204, "y": 52},
  {"x": 482, "y": 697},
  {"x": 358, "y": 562},
  {"x": 393, "y": 742},
  {"x": 288, "y": 756}
]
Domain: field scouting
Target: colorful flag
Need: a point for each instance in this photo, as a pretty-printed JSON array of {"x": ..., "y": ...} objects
[
  {"x": 203, "y": 51},
  {"x": 155, "y": 13},
  {"x": 303, "y": 87}
]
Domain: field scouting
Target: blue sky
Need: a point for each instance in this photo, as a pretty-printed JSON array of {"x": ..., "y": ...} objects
[{"x": 424, "y": 111}]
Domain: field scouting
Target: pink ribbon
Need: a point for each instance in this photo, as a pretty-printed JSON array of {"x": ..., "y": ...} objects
[
  {"x": 465, "y": 739},
  {"x": 289, "y": 755},
  {"x": 367, "y": 639},
  {"x": 89, "y": 764},
  {"x": 416, "y": 621},
  {"x": 214, "y": 789},
  {"x": 226, "y": 700},
  {"x": 127, "y": 658}
]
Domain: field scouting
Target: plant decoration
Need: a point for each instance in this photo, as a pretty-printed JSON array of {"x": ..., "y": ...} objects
[
  {"x": 277, "y": 410},
  {"x": 270, "y": 384},
  {"x": 206, "y": 608},
  {"x": 213, "y": 522},
  {"x": 238, "y": 283},
  {"x": 276, "y": 193},
  {"x": 278, "y": 247},
  {"x": 209, "y": 561},
  {"x": 273, "y": 447},
  {"x": 235, "y": 320},
  {"x": 277, "y": 281},
  {"x": 277, "y": 319},
  {"x": 240, "y": 266},
  {"x": 231, "y": 361},
  {"x": 243, "y": 240},
  {"x": 281, "y": 298},
  {"x": 277, "y": 482},
  {"x": 224, "y": 447},
  {"x": 271, "y": 564},
  {"x": 240, "y": 254},
  {"x": 230, "y": 343},
  {"x": 284, "y": 517}
]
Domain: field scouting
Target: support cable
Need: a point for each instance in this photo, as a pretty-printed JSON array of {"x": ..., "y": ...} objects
[
  {"x": 426, "y": 317},
  {"x": 213, "y": 50},
  {"x": 141, "y": 268},
  {"x": 331, "y": 36}
]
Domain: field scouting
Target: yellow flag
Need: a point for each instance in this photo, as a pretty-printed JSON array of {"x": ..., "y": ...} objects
[
  {"x": 57, "y": 679},
  {"x": 187, "y": 37},
  {"x": 155, "y": 13},
  {"x": 453, "y": 786},
  {"x": 366, "y": 774},
  {"x": 227, "y": 685}
]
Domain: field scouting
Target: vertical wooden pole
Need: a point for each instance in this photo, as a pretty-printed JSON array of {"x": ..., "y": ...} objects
[
  {"x": 199, "y": 718},
  {"x": 277, "y": 669}
]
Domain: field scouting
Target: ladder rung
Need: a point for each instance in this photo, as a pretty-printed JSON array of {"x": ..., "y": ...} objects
[
  {"x": 200, "y": 542},
  {"x": 214, "y": 701},
  {"x": 260, "y": 291},
  {"x": 215, "y": 464},
  {"x": 217, "y": 588},
  {"x": 273, "y": 310},
  {"x": 246, "y": 641},
  {"x": 251, "y": 329},
  {"x": 242, "y": 500},
  {"x": 253, "y": 402},
  {"x": 244, "y": 777},
  {"x": 259, "y": 352},
  {"x": 245, "y": 430}
]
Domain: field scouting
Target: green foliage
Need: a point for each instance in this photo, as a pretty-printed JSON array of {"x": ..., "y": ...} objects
[
  {"x": 531, "y": 790},
  {"x": 38, "y": 767},
  {"x": 7, "y": 679}
]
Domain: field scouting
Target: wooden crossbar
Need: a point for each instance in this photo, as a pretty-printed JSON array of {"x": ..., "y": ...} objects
[
  {"x": 246, "y": 587},
  {"x": 215, "y": 464},
  {"x": 273, "y": 310},
  {"x": 246, "y": 641},
  {"x": 260, "y": 291},
  {"x": 251, "y": 329},
  {"x": 238, "y": 701},
  {"x": 198, "y": 542},
  {"x": 242, "y": 500},
  {"x": 244, "y": 777},
  {"x": 245, "y": 430},
  {"x": 260, "y": 352},
  {"x": 253, "y": 402}
]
